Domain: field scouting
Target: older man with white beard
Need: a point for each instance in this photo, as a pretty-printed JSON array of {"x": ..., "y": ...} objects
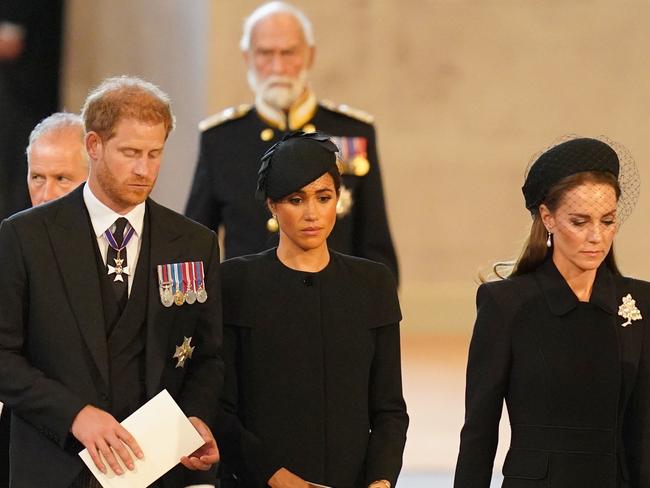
[{"x": 278, "y": 48}]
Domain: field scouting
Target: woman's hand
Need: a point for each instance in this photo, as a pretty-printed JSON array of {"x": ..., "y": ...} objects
[
  {"x": 283, "y": 478},
  {"x": 379, "y": 484}
]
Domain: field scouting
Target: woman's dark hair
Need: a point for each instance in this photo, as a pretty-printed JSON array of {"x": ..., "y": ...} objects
[
  {"x": 336, "y": 178},
  {"x": 535, "y": 249}
]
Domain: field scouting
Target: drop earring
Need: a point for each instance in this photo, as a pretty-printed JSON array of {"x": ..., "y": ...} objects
[
  {"x": 272, "y": 224},
  {"x": 549, "y": 243}
]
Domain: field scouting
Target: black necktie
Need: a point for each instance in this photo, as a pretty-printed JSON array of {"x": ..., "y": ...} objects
[{"x": 115, "y": 264}]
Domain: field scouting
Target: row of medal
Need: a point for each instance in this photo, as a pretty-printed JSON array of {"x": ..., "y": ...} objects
[
  {"x": 353, "y": 155},
  {"x": 181, "y": 283}
]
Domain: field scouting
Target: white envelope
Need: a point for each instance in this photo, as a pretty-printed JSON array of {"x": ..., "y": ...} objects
[{"x": 164, "y": 435}]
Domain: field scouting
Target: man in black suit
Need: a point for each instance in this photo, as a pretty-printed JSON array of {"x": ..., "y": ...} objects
[
  {"x": 30, "y": 53},
  {"x": 57, "y": 164},
  {"x": 88, "y": 333},
  {"x": 278, "y": 48}
]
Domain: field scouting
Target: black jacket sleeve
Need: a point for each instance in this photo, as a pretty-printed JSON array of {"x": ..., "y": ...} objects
[
  {"x": 388, "y": 416},
  {"x": 488, "y": 370},
  {"x": 372, "y": 237},
  {"x": 203, "y": 206}
]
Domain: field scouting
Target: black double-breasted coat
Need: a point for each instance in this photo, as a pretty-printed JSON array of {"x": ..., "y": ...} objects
[
  {"x": 568, "y": 372},
  {"x": 313, "y": 377}
]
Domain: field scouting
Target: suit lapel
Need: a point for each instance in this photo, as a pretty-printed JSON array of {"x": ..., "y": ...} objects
[
  {"x": 165, "y": 248},
  {"x": 71, "y": 239}
]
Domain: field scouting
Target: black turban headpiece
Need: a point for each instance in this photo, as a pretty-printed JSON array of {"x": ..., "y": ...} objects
[{"x": 295, "y": 161}]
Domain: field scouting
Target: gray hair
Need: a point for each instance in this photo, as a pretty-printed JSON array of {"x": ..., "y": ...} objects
[
  {"x": 57, "y": 122},
  {"x": 272, "y": 8}
]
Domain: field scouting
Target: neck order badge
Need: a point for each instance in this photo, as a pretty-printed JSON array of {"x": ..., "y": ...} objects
[{"x": 118, "y": 242}]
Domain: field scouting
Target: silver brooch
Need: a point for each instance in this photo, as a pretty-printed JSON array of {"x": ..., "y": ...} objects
[
  {"x": 184, "y": 352},
  {"x": 628, "y": 310}
]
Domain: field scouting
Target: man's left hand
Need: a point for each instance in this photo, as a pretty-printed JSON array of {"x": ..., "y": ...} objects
[{"x": 206, "y": 455}]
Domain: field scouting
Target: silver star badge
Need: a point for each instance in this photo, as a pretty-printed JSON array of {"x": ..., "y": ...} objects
[
  {"x": 184, "y": 352},
  {"x": 628, "y": 310},
  {"x": 118, "y": 269}
]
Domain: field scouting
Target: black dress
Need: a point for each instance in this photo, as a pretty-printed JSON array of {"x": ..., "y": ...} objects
[
  {"x": 567, "y": 371},
  {"x": 313, "y": 380}
]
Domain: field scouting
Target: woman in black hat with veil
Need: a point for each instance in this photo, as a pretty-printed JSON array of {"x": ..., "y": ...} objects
[
  {"x": 311, "y": 342},
  {"x": 561, "y": 339}
]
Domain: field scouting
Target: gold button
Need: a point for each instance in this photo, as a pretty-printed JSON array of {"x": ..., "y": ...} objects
[
  {"x": 309, "y": 128},
  {"x": 266, "y": 134}
]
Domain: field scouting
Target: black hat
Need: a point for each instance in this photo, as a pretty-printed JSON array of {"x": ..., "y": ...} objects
[
  {"x": 565, "y": 159},
  {"x": 297, "y": 160}
]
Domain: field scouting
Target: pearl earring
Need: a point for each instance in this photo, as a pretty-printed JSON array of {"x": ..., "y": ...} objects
[{"x": 549, "y": 243}]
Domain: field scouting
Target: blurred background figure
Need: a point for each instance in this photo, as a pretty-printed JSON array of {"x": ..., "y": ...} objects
[
  {"x": 57, "y": 161},
  {"x": 57, "y": 164},
  {"x": 278, "y": 47},
  {"x": 30, "y": 53}
]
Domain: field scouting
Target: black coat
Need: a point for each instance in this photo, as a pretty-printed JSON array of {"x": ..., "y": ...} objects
[
  {"x": 313, "y": 377},
  {"x": 566, "y": 369},
  {"x": 53, "y": 345},
  {"x": 223, "y": 192}
]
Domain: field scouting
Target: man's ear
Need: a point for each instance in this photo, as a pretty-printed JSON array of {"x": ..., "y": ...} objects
[
  {"x": 311, "y": 53},
  {"x": 94, "y": 145}
]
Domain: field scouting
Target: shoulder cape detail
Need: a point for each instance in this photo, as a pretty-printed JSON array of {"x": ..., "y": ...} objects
[
  {"x": 344, "y": 109},
  {"x": 231, "y": 113}
]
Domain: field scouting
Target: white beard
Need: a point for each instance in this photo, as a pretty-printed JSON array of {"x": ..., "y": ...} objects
[{"x": 278, "y": 96}]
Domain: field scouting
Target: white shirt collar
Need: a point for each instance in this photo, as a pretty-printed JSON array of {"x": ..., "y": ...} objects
[{"x": 102, "y": 217}]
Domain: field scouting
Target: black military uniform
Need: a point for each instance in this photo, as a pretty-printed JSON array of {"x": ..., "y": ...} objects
[{"x": 232, "y": 143}]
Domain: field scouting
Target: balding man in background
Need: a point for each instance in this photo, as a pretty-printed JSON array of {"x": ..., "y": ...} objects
[
  {"x": 57, "y": 163},
  {"x": 278, "y": 48}
]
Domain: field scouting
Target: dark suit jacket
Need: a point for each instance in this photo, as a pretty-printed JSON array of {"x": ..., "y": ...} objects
[
  {"x": 566, "y": 370},
  {"x": 53, "y": 349},
  {"x": 223, "y": 192}
]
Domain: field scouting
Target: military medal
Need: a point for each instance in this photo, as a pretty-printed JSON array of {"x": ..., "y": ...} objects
[
  {"x": 184, "y": 352},
  {"x": 344, "y": 204},
  {"x": 189, "y": 283},
  {"x": 354, "y": 155},
  {"x": 201, "y": 294},
  {"x": 179, "y": 296},
  {"x": 165, "y": 286},
  {"x": 119, "y": 267},
  {"x": 360, "y": 165}
]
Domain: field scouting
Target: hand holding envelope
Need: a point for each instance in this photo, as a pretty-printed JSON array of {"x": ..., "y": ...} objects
[
  {"x": 165, "y": 436},
  {"x": 206, "y": 455}
]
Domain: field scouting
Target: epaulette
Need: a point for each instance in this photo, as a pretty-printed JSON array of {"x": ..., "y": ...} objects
[
  {"x": 344, "y": 109},
  {"x": 230, "y": 113}
]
